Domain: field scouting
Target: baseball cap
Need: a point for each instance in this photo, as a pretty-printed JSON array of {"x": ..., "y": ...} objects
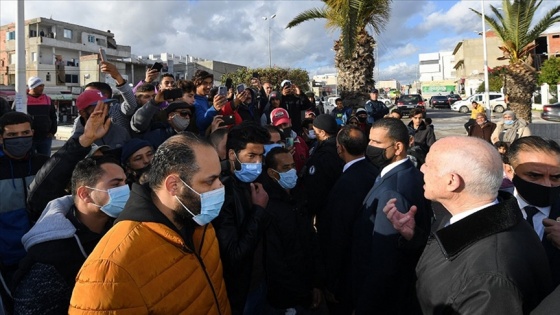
[
  {"x": 375, "y": 91},
  {"x": 34, "y": 82},
  {"x": 274, "y": 95},
  {"x": 90, "y": 98},
  {"x": 309, "y": 113},
  {"x": 279, "y": 116},
  {"x": 361, "y": 110},
  {"x": 285, "y": 83},
  {"x": 131, "y": 147}
]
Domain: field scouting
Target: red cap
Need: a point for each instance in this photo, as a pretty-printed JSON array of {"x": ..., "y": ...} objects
[
  {"x": 279, "y": 116},
  {"x": 90, "y": 98}
]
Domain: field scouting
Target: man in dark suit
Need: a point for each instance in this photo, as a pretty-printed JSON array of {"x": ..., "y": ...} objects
[
  {"x": 534, "y": 169},
  {"x": 384, "y": 261},
  {"x": 343, "y": 206},
  {"x": 485, "y": 259}
]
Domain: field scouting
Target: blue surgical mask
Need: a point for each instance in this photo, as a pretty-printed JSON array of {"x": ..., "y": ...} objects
[
  {"x": 268, "y": 147},
  {"x": 118, "y": 196},
  {"x": 210, "y": 204},
  {"x": 249, "y": 171},
  {"x": 508, "y": 122},
  {"x": 288, "y": 180},
  {"x": 311, "y": 134}
]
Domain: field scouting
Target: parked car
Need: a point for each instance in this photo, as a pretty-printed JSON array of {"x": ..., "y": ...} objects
[
  {"x": 551, "y": 112},
  {"x": 439, "y": 101},
  {"x": 406, "y": 103},
  {"x": 452, "y": 98},
  {"x": 497, "y": 102},
  {"x": 384, "y": 100}
]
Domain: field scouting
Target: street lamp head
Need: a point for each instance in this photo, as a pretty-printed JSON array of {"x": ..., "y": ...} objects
[{"x": 272, "y": 16}]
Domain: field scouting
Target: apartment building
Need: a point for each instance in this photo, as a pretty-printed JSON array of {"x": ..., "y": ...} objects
[
  {"x": 53, "y": 50},
  {"x": 436, "y": 66}
]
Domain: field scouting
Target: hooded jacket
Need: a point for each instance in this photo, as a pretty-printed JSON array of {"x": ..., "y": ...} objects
[
  {"x": 145, "y": 265},
  {"x": 15, "y": 177},
  {"x": 57, "y": 246}
]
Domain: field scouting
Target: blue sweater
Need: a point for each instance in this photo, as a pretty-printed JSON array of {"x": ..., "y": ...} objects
[{"x": 204, "y": 113}]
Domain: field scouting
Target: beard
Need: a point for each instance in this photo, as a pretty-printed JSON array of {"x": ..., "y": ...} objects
[{"x": 192, "y": 202}]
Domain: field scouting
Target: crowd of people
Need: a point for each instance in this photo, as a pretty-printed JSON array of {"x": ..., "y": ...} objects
[{"x": 184, "y": 198}]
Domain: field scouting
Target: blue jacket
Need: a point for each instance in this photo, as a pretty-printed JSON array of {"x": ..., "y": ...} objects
[{"x": 204, "y": 113}]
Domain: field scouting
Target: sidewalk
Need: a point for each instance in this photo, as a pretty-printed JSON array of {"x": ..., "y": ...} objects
[{"x": 63, "y": 133}]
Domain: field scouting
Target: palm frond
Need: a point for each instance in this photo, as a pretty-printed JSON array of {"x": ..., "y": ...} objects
[{"x": 312, "y": 14}]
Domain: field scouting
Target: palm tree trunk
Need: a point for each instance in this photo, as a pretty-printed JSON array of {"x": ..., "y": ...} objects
[
  {"x": 521, "y": 80},
  {"x": 355, "y": 75}
]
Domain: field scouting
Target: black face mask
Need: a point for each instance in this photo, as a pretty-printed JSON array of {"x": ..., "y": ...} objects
[
  {"x": 377, "y": 156},
  {"x": 535, "y": 194},
  {"x": 287, "y": 132},
  {"x": 362, "y": 119}
]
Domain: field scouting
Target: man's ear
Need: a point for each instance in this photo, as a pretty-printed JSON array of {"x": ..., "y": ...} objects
[
  {"x": 508, "y": 169},
  {"x": 453, "y": 182},
  {"x": 231, "y": 155},
  {"x": 172, "y": 184},
  {"x": 84, "y": 194},
  {"x": 272, "y": 173}
]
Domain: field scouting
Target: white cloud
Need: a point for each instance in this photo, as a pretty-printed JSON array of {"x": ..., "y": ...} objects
[{"x": 402, "y": 72}]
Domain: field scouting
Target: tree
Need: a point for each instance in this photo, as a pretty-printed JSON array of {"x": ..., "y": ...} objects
[
  {"x": 495, "y": 80},
  {"x": 354, "y": 49},
  {"x": 275, "y": 76},
  {"x": 518, "y": 31},
  {"x": 550, "y": 72}
]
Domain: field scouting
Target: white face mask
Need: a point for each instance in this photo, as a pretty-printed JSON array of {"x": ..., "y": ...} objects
[
  {"x": 311, "y": 134},
  {"x": 180, "y": 123}
]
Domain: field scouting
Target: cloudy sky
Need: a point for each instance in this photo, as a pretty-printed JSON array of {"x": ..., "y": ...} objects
[{"x": 234, "y": 31}]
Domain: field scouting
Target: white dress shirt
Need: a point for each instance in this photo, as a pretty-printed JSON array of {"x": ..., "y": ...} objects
[
  {"x": 347, "y": 165},
  {"x": 464, "y": 214},
  {"x": 543, "y": 213}
]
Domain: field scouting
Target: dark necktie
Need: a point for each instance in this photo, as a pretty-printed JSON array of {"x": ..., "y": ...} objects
[{"x": 531, "y": 211}]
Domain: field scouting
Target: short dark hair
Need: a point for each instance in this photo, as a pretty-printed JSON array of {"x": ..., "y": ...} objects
[
  {"x": 271, "y": 129},
  {"x": 337, "y": 100},
  {"x": 246, "y": 132},
  {"x": 146, "y": 87},
  {"x": 306, "y": 122},
  {"x": 398, "y": 111},
  {"x": 270, "y": 159},
  {"x": 416, "y": 111},
  {"x": 186, "y": 86},
  {"x": 201, "y": 75},
  {"x": 352, "y": 139},
  {"x": 217, "y": 135},
  {"x": 176, "y": 155},
  {"x": 14, "y": 118},
  {"x": 531, "y": 144},
  {"x": 101, "y": 86},
  {"x": 168, "y": 75},
  {"x": 428, "y": 120},
  {"x": 88, "y": 171},
  {"x": 397, "y": 130},
  {"x": 501, "y": 144}
]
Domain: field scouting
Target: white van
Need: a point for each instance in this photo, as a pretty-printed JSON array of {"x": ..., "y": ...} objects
[{"x": 497, "y": 102}]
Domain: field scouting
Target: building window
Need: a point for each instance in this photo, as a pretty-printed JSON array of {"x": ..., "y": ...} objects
[
  {"x": 91, "y": 39},
  {"x": 67, "y": 33},
  {"x": 12, "y": 59},
  {"x": 32, "y": 33},
  {"x": 34, "y": 57},
  {"x": 71, "y": 78},
  {"x": 11, "y": 35}
]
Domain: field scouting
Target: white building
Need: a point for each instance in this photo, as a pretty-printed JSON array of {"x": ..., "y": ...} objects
[{"x": 436, "y": 66}]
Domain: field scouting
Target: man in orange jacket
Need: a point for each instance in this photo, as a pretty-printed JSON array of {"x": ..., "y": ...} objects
[{"x": 162, "y": 255}]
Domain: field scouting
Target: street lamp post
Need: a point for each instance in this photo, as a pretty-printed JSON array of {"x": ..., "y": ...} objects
[
  {"x": 269, "y": 51},
  {"x": 486, "y": 83}
]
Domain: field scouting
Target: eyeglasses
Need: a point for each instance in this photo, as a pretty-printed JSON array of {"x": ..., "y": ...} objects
[{"x": 184, "y": 113}]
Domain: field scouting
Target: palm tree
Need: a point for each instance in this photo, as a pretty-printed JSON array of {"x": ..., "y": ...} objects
[
  {"x": 354, "y": 50},
  {"x": 518, "y": 32}
]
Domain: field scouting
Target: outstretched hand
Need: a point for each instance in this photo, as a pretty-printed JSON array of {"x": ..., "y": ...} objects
[
  {"x": 97, "y": 125},
  {"x": 404, "y": 223}
]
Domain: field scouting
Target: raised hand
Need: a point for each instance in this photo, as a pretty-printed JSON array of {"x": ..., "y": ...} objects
[{"x": 404, "y": 223}]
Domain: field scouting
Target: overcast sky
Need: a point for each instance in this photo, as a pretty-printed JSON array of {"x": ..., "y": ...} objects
[{"x": 234, "y": 31}]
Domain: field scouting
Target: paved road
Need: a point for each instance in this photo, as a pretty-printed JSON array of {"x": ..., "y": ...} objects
[{"x": 450, "y": 123}]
